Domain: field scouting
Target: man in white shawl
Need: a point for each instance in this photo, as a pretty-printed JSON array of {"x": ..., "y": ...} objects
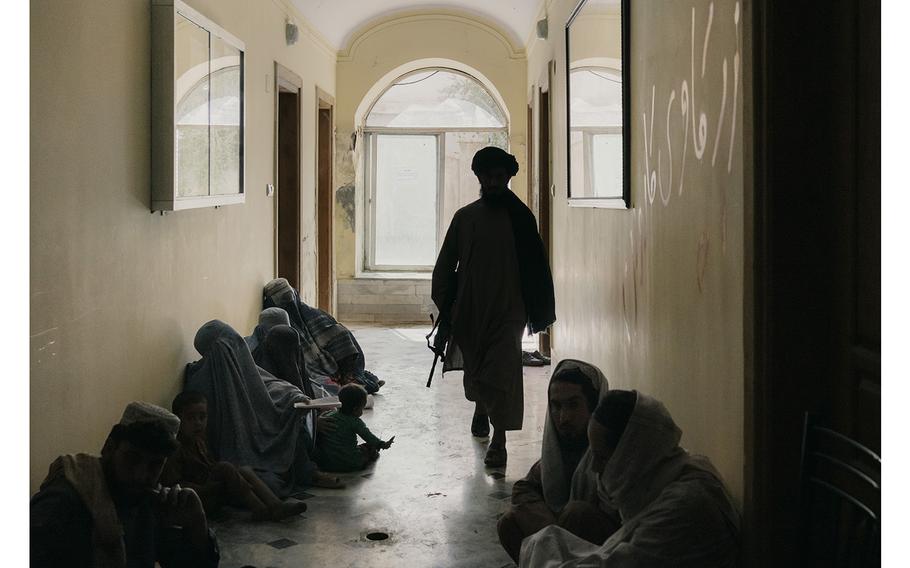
[
  {"x": 674, "y": 507},
  {"x": 556, "y": 490}
]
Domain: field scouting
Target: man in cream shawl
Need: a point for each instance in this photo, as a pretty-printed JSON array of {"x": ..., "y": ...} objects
[
  {"x": 558, "y": 489},
  {"x": 674, "y": 507}
]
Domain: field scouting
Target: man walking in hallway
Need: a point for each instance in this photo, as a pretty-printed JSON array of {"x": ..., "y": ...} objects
[{"x": 491, "y": 280}]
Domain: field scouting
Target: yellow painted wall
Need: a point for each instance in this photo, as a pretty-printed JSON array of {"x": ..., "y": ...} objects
[
  {"x": 117, "y": 293},
  {"x": 382, "y": 47},
  {"x": 654, "y": 295}
]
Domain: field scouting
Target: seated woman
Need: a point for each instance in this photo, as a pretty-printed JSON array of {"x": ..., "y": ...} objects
[
  {"x": 252, "y": 419},
  {"x": 330, "y": 350},
  {"x": 268, "y": 318},
  {"x": 279, "y": 354},
  {"x": 674, "y": 506}
]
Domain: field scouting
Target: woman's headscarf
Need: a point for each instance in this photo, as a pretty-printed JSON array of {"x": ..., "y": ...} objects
[
  {"x": 252, "y": 419},
  {"x": 329, "y": 348},
  {"x": 559, "y": 484},
  {"x": 279, "y": 354},
  {"x": 268, "y": 318}
]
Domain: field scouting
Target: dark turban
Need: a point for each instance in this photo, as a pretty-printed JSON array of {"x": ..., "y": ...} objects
[{"x": 493, "y": 157}]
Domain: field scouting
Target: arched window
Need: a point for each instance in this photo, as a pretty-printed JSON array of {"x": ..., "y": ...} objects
[
  {"x": 208, "y": 117},
  {"x": 420, "y": 136}
]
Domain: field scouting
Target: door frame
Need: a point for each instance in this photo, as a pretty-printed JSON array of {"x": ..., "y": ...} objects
[
  {"x": 287, "y": 81},
  {"x": 325, "y": 206}
]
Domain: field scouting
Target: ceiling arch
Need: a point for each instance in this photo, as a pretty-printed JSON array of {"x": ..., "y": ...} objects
[{"x": 339, "y": 20}]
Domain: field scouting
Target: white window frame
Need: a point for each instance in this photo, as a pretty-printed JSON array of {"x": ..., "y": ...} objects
[
  {"x": 371, "y": 133},
  {"x": 164, "y": 197},
  {"x": 371, "y": 137}
]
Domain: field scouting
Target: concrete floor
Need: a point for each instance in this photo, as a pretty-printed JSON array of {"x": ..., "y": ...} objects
[{"x": 430, "y": 492}]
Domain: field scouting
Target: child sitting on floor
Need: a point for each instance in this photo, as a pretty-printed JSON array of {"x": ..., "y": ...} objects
[
  {"x": 217, "y": 483},
  {"x": 338, "y": 449}
]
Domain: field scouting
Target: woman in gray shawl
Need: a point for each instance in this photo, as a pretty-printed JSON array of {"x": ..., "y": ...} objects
[
  {"x": 268, "y": 318},
  {"x": 252, "y": 419},
  {"x": 330, "y": 351},
  {"x": 674, "y": 507}
]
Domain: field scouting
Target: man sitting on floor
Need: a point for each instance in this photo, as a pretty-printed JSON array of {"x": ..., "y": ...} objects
[
  {"x": 675, "y": 509},
  {"x": 556, "y": 490},
  {"x": 110, "y": 511}
]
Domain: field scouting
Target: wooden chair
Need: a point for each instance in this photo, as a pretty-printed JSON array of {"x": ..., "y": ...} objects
[{"x": 840, "y": 500}]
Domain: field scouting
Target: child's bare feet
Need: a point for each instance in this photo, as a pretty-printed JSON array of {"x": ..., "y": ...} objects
[
  {"x": 263, "y": 514},
  {"x": 287, "y": 509}
]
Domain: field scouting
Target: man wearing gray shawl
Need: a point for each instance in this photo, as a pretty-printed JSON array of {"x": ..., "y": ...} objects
[
  {"x": 558, "y": 489},
  {"x": 674, "y": 507}
]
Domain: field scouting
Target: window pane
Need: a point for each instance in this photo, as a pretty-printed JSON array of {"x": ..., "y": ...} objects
[
  {"x": 192, "y": 94},
  {"x": 606, "y": 154},
  {"x": 436, "y": 98},
  {"x": 596, "y": 132},
  {"x": 596, "y": 97},
  {"x": 225, "y": 106},
  {"x": 405, "y": 194}
]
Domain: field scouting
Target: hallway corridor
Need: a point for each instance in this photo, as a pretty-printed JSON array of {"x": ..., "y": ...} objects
[{"x": 430, "y": 492}]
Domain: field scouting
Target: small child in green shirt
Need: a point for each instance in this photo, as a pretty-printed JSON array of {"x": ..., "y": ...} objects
[{"x": 338, "y": 449}]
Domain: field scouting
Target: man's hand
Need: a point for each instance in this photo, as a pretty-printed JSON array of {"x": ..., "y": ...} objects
[
  {"x": 388, "y": 444},
  {"x": 182, "y": 507}
]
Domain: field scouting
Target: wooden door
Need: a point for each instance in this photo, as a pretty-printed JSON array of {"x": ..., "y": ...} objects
[
  {"x": 325, "y": 140},
  {"x": 544, "y": 183},
  {"x": 815, "y": 342},
  {"x": 288, "y": 189}
]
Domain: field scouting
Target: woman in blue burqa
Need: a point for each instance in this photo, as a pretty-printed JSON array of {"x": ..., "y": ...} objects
[
  {"x": 252, "y": 419},
  {"x": 330, "y": 351}
]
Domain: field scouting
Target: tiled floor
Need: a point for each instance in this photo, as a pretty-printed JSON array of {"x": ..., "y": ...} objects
[{"x": 430, "y": 492}]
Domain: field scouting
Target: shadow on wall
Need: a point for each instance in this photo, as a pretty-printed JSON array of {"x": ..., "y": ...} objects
[{"x": 344, "y": 196}]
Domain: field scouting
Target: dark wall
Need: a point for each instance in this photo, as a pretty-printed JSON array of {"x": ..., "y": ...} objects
[{"x": 817, "y": 249}]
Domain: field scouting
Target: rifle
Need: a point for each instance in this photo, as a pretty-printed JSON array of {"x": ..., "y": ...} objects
[{"x": 438, "y": 346}]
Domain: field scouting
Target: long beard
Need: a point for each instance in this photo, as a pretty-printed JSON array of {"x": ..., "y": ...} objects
[{"x": 493, "y": 194}]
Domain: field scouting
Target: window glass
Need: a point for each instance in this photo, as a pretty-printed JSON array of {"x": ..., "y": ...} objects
[
  {"x": 405, "y": 200},
  {"x": 225, "y": 112},
  {"x": 596, "y": 132},
  {"x": 416, "y": 186},
  {"x": 606, "y": 155},
  {"x": 192, "y": 112},
  {"x": 436, "y": 98}
]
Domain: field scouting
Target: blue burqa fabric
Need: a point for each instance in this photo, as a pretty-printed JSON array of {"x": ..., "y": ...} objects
[
  {"x": 252, "y": 419},
  {"x": 329, "y": 348},
  {"x": 268, "y": 318}
]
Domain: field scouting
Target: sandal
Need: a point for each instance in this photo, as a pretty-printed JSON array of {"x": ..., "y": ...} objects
[
  {"x": 529, "y": 360},
  {"x": 542, "y": 357},
  {"x": 325, "y": 481},
  {"x": 496, "y": 457},
  {"x": 480, "y": 426}
]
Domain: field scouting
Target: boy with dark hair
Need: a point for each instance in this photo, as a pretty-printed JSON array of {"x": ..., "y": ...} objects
[
  {"x": 217, "y": 483},
  {"x": 338, "y": 449},
  {"x": 111, "y": 510}
]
